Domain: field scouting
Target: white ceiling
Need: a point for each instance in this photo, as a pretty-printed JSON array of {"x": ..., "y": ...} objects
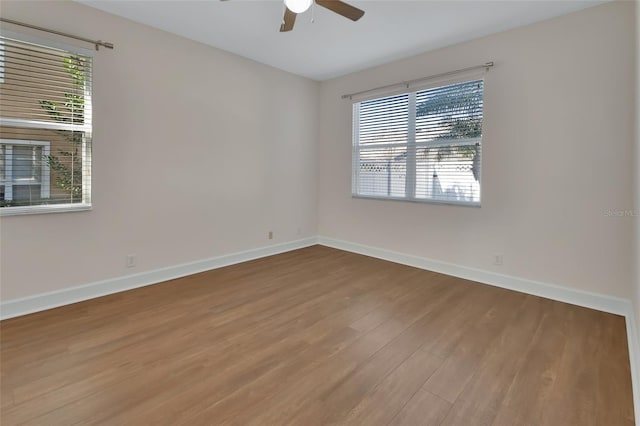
[{"x": 332, "y": 45}]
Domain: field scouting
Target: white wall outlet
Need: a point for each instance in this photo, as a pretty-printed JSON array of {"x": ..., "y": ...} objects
[
  {"x": 271, "y": 235},
  {"x": 497, "y": 259},
  {"x": 131, "y": 260}
]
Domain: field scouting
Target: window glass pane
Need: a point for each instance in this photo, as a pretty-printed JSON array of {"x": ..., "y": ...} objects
[
  {"x": 63, "y": 164},
  {"x": 384, "y": 120},
  {"x": 448, "y": 173},
  {"x": 2, "y": 166},
  {"x": 43, "y": 84},
  {"x": 382, "y": 172},
  {"x": 449, "y": 112}
]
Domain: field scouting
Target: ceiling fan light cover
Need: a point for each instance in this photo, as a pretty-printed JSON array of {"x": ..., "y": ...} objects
[{"x": 298, "y": 6}]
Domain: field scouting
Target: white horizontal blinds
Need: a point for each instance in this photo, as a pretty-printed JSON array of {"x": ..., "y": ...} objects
[
  {"x": 439, "y": 130},
  {"x": 381, "y": 146},
  {"x": 384, "y": 120},
  {"x": 45, "y": 125},
  {"x": 448, "y": 142},
  {"x": 1, "y": 61}
]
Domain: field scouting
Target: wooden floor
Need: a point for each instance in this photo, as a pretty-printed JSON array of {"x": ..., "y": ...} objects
[{"x": 311, "y": 337}]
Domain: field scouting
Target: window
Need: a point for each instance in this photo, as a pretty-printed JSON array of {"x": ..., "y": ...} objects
[
  {"x": 420, "y": 146},
  {"x": 45, "y": 128}
]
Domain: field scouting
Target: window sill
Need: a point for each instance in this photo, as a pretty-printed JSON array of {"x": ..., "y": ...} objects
[
  {"x": 59, "y": 208},
  {"x": 420, "y": 200}
]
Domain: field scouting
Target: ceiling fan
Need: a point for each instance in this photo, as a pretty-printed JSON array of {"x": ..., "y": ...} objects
[{"x": 294, "y": 7}]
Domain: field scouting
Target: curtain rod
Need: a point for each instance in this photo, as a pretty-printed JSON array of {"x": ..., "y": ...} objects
[
  {"x": 406, "y": 84},
  {"x": 96, "y": 43}
]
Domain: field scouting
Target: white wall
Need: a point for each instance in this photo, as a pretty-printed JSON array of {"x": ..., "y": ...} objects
[
  {"x": 557, "y": 154},
  {"x": 177, "y": 122},
  {"x": 636, "y": 189},
  {"x": 197, "y": 153}
]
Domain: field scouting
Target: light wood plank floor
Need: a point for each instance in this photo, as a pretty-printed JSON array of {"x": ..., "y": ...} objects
[{"x": 311, "y": 337}]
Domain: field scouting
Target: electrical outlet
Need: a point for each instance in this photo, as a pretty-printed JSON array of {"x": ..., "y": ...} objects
[
  {"x": 131, "y": 260},
  {"x": 271, "y": 235},
  {"x": 497, "y": 259}
]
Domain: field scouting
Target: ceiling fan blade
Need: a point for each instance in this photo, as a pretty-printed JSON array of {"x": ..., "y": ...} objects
[
  {"x": 342, "y": 8},
  {"x": 288, "y": 21}
]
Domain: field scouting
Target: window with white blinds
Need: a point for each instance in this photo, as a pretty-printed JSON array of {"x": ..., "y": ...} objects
[
  {"x": 420, "y": 146},
  {"x": 45, "y": 128}
]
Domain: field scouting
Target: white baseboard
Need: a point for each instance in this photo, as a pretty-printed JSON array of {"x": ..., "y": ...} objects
[
  {"x": 43, "y": 301},
  {"x": 633, "y": 339},
  {"x": 587, "y": 299},
  {"x": 39, "y": 302},
  {"x": 600, "y": 302}
]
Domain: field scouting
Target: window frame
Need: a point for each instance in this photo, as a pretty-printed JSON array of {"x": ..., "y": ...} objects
[
  {"x": 412, "y": 146},
  {"x": 87, "y": 129}
]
